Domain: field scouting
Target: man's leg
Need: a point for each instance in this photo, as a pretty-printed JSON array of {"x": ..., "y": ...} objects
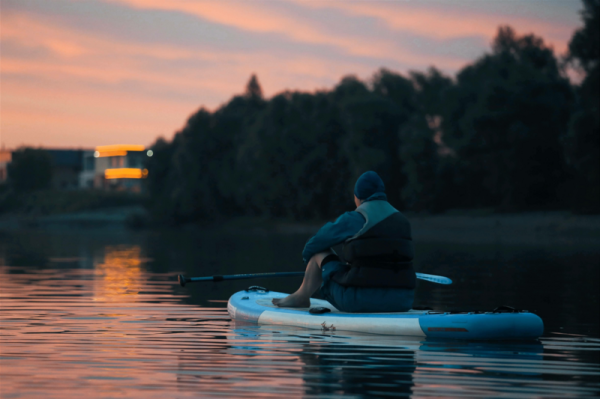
[{"x": 310, "y": 285}]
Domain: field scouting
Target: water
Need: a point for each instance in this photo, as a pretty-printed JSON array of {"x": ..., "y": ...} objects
[{"x": 99, "y": 314}]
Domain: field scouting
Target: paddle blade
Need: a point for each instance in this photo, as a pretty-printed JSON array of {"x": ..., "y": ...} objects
[{"x": 434, "y": 279}]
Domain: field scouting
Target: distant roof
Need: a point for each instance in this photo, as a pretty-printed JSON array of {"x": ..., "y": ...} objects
[{"x": 68, "y": 158}]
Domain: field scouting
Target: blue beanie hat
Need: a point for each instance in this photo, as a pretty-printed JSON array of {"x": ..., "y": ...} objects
[{"x": 368, "y": 184}]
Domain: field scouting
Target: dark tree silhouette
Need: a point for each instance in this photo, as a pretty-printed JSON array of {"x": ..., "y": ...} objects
[
  {"x": 583, "y": 138},
  {"x": 505, "y": 118},
  {"x": 498, "y": 136},
  {"x": 584, "y": 47},
  {"x": 253, "y": 89},
  {"x": 30, "y": 169}
]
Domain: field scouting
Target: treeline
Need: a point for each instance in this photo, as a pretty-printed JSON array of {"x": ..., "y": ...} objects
[{"x": 509, "y": 132}]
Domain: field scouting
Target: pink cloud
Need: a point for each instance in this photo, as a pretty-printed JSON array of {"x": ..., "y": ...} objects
[
  {"x": 75, "y": 88},
  {"x": 259, "y": 17},
  {"x": 83, "y": 81},
  {"x": 443, "y": 24},
  {"x": 433, "y": 22}
]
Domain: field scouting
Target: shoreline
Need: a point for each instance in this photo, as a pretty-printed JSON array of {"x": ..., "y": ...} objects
[
  {"x": 109, "y": 217},
  {"x": 555, "y": 227},
  {"x": 463, "y": 226}
]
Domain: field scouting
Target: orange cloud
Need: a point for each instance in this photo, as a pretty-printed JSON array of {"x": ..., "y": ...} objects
[
  {"x": 83, "y": 87},
  {"x": 68, "y": 93}
]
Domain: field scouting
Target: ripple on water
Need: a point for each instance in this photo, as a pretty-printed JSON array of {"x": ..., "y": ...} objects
[{"x": 120, "y": 331}]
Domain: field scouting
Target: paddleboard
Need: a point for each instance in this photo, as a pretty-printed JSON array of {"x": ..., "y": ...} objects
[{"x": 256, "y": 306}]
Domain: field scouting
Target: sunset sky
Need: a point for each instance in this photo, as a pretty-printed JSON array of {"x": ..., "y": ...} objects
[{"x": 81, "y": 73}]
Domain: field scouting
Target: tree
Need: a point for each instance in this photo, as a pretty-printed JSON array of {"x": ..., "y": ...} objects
[
  {"x": 582, "y": 143},
  {"x": 253, "y": 89},
  {"x": 197, "y": 176},
  {"x": 584, "y": 47},
  {"x": 506, "y": 115},
  {"x": 158, "y": 182},
  {"x": 292, "y": 158},
  {"x": 428, "y": 162},
  {"x": 372, "y": 120},
  {"x": 30, "y": 169}
]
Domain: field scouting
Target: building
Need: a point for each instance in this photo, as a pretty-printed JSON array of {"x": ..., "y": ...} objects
[
  {"x": 66, "y": 166},
  {"x": 88, "y": 170},
  {"x": 114, "y": 167}
]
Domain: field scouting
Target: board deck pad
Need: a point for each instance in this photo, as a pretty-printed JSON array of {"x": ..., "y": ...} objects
[{"x": 256, "y": 306}]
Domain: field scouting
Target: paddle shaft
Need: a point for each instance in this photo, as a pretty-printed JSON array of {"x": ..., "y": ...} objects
[{"x": 184, "y": 280}]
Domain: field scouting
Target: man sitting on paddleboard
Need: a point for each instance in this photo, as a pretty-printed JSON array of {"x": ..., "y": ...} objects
[{"x": 377, "y": 273}]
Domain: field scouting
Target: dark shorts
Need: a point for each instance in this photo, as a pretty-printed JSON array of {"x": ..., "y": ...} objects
[{"x": 362, "y": 299}]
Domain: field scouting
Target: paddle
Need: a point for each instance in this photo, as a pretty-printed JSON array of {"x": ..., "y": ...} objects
[
  {"x": 184, "y": 280},
  {"x": 434, "y": 279}
]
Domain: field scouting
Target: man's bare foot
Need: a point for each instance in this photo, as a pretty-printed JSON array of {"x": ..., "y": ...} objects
[{"x": 292, "y": 301}]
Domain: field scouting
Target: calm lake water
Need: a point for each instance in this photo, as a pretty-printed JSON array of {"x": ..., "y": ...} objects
[{"x": 100, "y": 314}]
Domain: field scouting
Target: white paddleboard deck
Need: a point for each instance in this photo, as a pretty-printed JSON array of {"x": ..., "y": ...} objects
[{"x": 256, "y": 306}]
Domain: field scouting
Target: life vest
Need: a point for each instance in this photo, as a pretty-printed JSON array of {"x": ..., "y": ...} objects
[{"x": 381, "y": 253}]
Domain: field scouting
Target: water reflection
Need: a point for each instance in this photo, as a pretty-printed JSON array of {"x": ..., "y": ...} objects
[
  {"x": 94, "y": 316},
  {"x": 356, "y": 370},
  {"x": 358, "y": 364},
  {"x": 81, "y": 333},
  {"x": 333, "y": 364},
  {"x": 119, "y": 274}
]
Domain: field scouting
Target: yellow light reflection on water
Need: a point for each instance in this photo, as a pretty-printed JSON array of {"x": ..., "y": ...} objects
[{"x": 119, "y": 276}]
